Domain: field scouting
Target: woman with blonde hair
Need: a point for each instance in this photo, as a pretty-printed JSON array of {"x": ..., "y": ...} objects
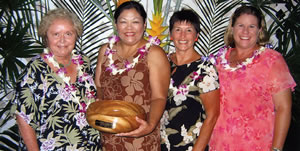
[
  {"x": 55, "y": 90},
  {"x": 255, "y": 85}
]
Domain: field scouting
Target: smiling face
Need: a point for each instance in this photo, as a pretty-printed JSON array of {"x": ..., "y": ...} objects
[
  {"x": 61, "y": 37},
  {"x": 184, "y": 35},
  {"x": 246, "y": 32},
  {"x": 130, "y": 26}
]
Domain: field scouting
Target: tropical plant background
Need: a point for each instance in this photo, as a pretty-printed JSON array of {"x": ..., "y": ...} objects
[{"x": 19, "y": 41}]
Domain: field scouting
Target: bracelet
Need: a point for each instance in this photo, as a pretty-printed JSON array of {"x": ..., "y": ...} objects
[{"x": 275, "y": 149}]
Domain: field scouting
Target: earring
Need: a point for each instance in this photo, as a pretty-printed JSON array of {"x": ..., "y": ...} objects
[
  {"x": 196, "y": 39},
  {"x": 171, "y": 38}
]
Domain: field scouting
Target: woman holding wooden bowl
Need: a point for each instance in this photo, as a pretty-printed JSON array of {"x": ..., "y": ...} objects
[{"x": 133, "y": 69}]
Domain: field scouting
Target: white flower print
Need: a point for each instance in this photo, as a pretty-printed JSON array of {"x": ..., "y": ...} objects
[
  {"x": 81, "y": 120},
  {"x": 198, "y": 128},
  {"x": 45, "y": 86},
  {"x": 164, "y": 120},
  {"x": 64, "y": 93},
  {"x": 178, "y": 98},
  {"x": 190, "y": 148},
  {"x": 23, "y": 82},
  {"x": 86, "y": 77},
  {"x": 48, "y": 144},
  {"x": 207, "y": 84},
  {"x": 43, "y": 128},
  {"x": 165, "y": 139},
  {"x": 211, "y": 71},
  {"x": 187, "y": 138},
  {"x": 25, "y": 117},
  {"x": 180, "y": 94}
]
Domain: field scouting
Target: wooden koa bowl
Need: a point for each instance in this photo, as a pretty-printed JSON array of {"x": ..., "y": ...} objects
[{"x": 114, "y": 116}]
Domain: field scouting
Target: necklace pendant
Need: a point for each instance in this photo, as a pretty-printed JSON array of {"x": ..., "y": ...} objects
[{"x": 61, "y": 65}]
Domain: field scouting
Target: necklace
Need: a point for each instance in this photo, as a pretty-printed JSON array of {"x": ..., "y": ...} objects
[
  {"x": 69, "y": 90},
  {"x": 62, "y": 65},
  {"x": 225, "y": 63},
  {"x": 113, "y": 68},
  {"x": 180, "y": 92}
]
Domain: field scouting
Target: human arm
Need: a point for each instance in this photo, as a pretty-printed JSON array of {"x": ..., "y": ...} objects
[
  {"x": 159, "y": 70},
  {"x": 25, "y": 105},
  {"x": 211, "y": 104},
  {"x": 98, "y": 70},
  {"x": 281, "y": 84},
  {"x": 27, "y": 134},
  {"x": 283, "y": 104}
]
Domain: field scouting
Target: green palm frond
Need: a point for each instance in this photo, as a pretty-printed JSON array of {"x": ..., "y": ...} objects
[
  {"x": 18, "y": 36},
  {"x": 97, "y": 25},
  {"x": 287, "y": 31},
  {"x": 9, "y": 139},
  {"x": 167, "y": 10},
  {"x": 15, "y": 45},
  {"x": 18, "y": 40},
  {"x": 213, "y": 25}
]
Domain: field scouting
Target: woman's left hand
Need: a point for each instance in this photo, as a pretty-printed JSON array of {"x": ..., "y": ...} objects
[{"x": 143, "y": 129}]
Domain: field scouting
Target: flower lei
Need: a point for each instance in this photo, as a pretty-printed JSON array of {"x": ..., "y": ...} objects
[
  {"x": 142, "y": 51},
  {"x": 182, "y": 90},
  {"x": 69, "y": 88},
  {"x": 242, "y": 65}
]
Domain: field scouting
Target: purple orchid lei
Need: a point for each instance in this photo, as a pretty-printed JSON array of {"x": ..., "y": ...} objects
[
  {"x": 224, "y": 62},
  {"x": 141, "y": 51},
  {"x": 69, "y": 88}
]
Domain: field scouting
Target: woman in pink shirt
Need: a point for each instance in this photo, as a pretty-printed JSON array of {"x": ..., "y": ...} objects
[{"x": 255, "y": 86}]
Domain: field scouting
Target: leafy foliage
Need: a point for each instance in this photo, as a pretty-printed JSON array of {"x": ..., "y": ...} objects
[
  {"x": 19, "y": 20},
  {"x": 18, "y": 41},
  {"x": 96, "y": 21},
  {"x": 213, "y": 25},
  {"x": 8, "y": 139}
]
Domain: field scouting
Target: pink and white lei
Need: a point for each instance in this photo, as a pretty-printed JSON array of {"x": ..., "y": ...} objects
[
  {"x": 142, "y": 51},
  {"x": 69, "y": 88},
  {"x": 242, "y": 65}
]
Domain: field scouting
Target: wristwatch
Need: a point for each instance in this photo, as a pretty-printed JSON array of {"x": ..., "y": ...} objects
[{"x": 275, "y": 149}]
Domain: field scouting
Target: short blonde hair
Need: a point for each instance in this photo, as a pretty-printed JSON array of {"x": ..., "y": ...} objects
[
  {"x": 263, "y": 34},
  {"x": 58, "y": 13}
]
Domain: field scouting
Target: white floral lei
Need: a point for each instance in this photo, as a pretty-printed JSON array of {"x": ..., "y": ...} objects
[
  {"x": 109, "y": 53},
  {"x": 182, "y": 90},
  {"x": 70, "y": 88},
  {"x": 242, "y": 65}
]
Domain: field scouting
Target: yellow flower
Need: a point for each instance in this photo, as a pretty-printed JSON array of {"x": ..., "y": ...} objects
[
  {"x": 121, "y": 2},
  {"x": 156, "y": 27}
]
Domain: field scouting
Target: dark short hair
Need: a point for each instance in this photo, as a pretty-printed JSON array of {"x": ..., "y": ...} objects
[
  {"x": 129, "y": 5},
  {"x": 185, "y": 15},
  {"x": 250, "y": 10}
]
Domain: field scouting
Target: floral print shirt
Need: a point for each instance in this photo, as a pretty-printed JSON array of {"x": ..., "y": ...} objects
[
  {"x": 43, "y": 101},
  {"x": 132, "y": 86},
  {"x": 185, "y": 113},
  {"x": 247, "y": 114}
]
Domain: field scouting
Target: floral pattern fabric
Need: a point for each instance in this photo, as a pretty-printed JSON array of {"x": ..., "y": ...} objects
[
  {"x": 132, "y": 85},
  {"x": 247, "y": 115},
  {"x": 185, "y": 113},
  {"x": 42, "y": 99}
]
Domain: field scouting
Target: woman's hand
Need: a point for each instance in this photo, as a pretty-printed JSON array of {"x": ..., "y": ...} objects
[
  {"x": 143, "y": 129},
  {"x": 283, "y": 104}
]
